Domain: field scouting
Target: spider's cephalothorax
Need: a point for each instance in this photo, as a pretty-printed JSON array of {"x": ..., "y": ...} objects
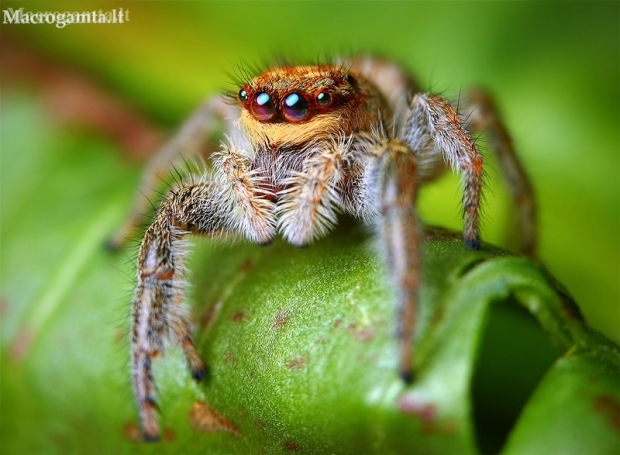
[
  {"x": 304, "y": 144},
  {"x": 293, "y": 105}
]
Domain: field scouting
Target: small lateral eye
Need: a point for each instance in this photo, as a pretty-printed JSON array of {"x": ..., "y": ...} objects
[
  {"x": 323, "y": 99},
  {"x": 263, "y": 107},
  {"x": 243, "y": 96},
  {"x": 295, "y": 107}
]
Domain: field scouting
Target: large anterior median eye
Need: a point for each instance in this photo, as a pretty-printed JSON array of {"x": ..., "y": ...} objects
[
  {"x": 295, "y": 107},
  {"x": 263, "y": 107}
]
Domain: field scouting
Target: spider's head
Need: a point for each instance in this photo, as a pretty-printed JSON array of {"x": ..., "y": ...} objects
[{"x": 292, "y": 105}]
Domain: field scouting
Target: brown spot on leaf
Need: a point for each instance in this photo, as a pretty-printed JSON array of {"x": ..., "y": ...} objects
[
  {"x": 203, "y": 418},
  {"x": 609, "y": 407},
  {"x": 361, "y": 333},
  {"x": 320, "y": 341},
  {"x": 296, "y": 363},
  {"x": 425, "y": 412},
  {"x": 281, "y": 319},
  {"x": 246, "y": 266},
  {"x": 365, "y": 334},
  {"x": 131, "y": 431},
  {"x": 239, "y": 316},
  {"x": 290, "y": 446},
  {"x": 230, "y": 358},
  {"x": 168, "y": 434},
  {"x": 337, "y": 323}
]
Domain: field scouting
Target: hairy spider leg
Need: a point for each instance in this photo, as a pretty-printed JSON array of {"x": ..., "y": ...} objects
[
  {"x": 399, "y": 233},
  {"x": 482, "y": 115},
  {"x": 434, "y": 126}
]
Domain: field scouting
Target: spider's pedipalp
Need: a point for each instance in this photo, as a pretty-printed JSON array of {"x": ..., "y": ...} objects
[{"x": 308, "y": 206}]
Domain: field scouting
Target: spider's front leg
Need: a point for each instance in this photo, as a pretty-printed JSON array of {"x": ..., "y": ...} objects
[{"x": 231, "y": 202}]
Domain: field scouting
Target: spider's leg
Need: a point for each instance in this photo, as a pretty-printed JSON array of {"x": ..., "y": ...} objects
[
  {"x": 232, "y": 202},
  {"x": 310, "y": 202},
  {"x": 187, "y": 143},
  {"x": 433, "y": 126},
  {"x": 157, "y": 303},
  {"x": 399, "y": 231},
  {"x": 482, "y": 115}
]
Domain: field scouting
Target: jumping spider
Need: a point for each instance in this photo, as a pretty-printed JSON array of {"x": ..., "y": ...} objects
[{"x": 305, "y": 143}]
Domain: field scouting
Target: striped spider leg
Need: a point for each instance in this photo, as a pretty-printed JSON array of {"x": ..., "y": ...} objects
[
  {"x": 481, "y": 114},
  {"x": 307, "y": 143}
]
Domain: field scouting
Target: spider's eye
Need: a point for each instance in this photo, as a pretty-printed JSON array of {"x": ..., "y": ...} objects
[
  {"x": 243, "y": 96},
  {"x": 323, "y": 99},
  {"x": 263, "y": 107},
  {"x": 295, "y": 107}
]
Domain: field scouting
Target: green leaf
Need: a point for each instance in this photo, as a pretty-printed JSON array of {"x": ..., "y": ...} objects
[{"x": 300, "y": 343}]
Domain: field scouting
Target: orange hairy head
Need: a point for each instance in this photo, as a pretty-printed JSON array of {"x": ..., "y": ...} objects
[{"x": 291, "y": 105}]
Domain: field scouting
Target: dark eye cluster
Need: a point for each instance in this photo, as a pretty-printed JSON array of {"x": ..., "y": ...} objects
[{"x": 293, "y": 107}]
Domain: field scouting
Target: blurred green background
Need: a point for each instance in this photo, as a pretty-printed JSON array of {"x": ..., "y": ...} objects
[{"x": 552, "y": 66}]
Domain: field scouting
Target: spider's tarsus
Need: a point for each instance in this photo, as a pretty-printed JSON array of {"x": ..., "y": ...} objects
[
  {"x": 150, "y": 437},
  {"x": 473, "y": 244},
  {"x": 407, "y": 376},
  {"x": 199, "y": 374}
]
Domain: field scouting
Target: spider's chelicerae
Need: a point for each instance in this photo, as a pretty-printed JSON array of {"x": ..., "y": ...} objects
[{"x": 305, "y": 143}]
